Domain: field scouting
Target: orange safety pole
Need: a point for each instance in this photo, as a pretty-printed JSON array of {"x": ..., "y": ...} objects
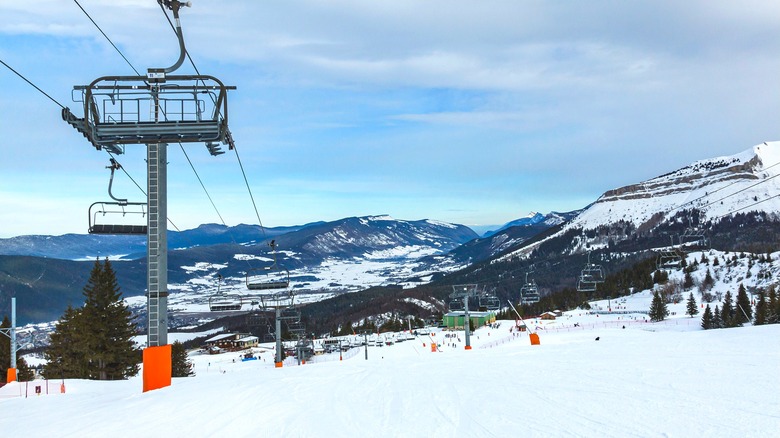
[{"x": 11, "y": 375}]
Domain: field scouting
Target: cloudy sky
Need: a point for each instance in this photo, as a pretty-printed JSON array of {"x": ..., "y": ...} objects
[{"x": 468, "y": 112}]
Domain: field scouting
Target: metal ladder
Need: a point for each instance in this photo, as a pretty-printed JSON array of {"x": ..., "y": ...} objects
[{"x": 157, "y": 279}]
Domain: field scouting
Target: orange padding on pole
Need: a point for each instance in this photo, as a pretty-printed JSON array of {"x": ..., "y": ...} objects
[
  {"x": 157, "y": 367},
  {"x": 11, "y": 376},
  {"x": 278, "y": 364},
  {"x": 534, "y": 338}
]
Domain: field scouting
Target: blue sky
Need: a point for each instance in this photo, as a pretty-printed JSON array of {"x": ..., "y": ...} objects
[{"x": 467, "y": 112}]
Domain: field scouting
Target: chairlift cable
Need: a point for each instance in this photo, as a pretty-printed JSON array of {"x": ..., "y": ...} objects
[
  {"x": 246, "y": 181},
  {"x": 139, "y": 74},
  {"x": 202, "y": 185},
  {"x": 238, "y": 157},
  {"x": 33, "y": 85},
  {"x": 748, "y": 206},
  {"x": 724, "y": 187},
  {"x": 742, "y": 190},
  {"x": 107, "y": 38}
]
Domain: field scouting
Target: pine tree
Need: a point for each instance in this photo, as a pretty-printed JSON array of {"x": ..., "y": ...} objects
[
  {"x": 706, "y": 319},
  {"x": 743, "y": 312},
  {"x": 23, "y": 371},
  {"x": 773, "y": 313},
  {"x": 727, "y": 311},
  {"x": 691, "y": 308},
  {"x": 717, "y": 320},
  {"x": 688, "y": 280},
  {"x": 181, "y": 366},
  {"x": 66, "y": 355},
  {"x": 658, "y": 309},
  {"x": 708, "y": 281},
  {"x": 96, "y": 341},
  {"x": 761, "y": 310}
]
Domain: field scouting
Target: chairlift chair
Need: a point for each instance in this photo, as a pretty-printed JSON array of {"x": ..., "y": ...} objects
[
  {"x": 529, "y": 293},
  {"x": 590, "y": 276},
  {"x": 489, "y": 302},
  {"x": 693, "y": 236},
  {"x": 456, "y": 305},
  {"x": 585, "y": 284},
  {"x": 693, "y": 239},
  {"x": 119, "y": 207},
  {"x": 221, "y": 302},
  {"x": 268, "y": 277},
  {"x": 225, "y": 303},
  {"x": 668, "y": 260}
]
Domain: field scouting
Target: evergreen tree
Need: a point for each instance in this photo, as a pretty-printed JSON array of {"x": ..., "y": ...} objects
[
  {"x": 23, "y": 371},
  {"x": 691, "y": 308},
  {"x": 761, "y": 310},
  {"x": 96, "y": 341},
  {"x": 708, "y": 281},
  {"x": 688, "y": 280},
  {"x": 111, "y": 329},
  {"x": 66, "y": 355},
  {"x": 658, "y": 309},
  {"x": 727, "y": 311},
  {"x": 772, "y": 314},
  {"x": 660, "y": 277},
  {"x": 743, "y": 312},
  {"x": 717, "y": 320},
  {"x": 706, "y": 319},
  {"x": 181, "y": 366}
]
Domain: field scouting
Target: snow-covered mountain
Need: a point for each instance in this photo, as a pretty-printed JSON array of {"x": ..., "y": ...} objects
[
  {"x": 531, "y": 219},
  {"x": 702, "y": 194},
  {"x": 716, "y": 187},
  {"x": 511, "y": 235}
]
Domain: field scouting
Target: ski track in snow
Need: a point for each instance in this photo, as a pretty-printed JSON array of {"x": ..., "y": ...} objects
[{"x": 647, "y": 380}]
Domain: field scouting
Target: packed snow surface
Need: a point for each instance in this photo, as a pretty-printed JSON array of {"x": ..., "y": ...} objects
[{"x": 638, "y": 379}]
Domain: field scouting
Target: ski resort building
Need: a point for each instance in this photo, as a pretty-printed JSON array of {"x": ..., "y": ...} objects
[
  {"x": 455, "y": 320},
  {"x": 232, "y": 341}
]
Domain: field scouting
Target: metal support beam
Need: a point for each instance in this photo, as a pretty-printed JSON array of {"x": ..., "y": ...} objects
[
  {"x": 279, "y": 352},
  {"x": 13, "y": 332},
  {"x": 157, "y": 247}
]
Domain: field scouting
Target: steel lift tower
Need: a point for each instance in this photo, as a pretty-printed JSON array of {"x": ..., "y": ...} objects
[{"x": 154, "y": 110}]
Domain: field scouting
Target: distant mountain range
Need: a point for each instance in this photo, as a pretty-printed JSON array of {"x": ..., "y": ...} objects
[
  {"x": 91, "y": 246},
  {"x": 734, "y": 199}
]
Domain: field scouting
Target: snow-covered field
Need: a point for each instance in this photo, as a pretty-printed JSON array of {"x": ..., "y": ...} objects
[{"x": 647, "y": 379}]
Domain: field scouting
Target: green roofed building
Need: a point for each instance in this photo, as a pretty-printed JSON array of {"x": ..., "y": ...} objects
[{"x": 455, "y": 320}]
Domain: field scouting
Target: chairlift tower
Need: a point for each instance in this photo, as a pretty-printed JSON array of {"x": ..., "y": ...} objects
[
  {"x": 154, "y": 110},
  {"x": 282, "y": 304},
  {"x": 11, "y": 333},
  {"x": 464, "y": 292}
]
